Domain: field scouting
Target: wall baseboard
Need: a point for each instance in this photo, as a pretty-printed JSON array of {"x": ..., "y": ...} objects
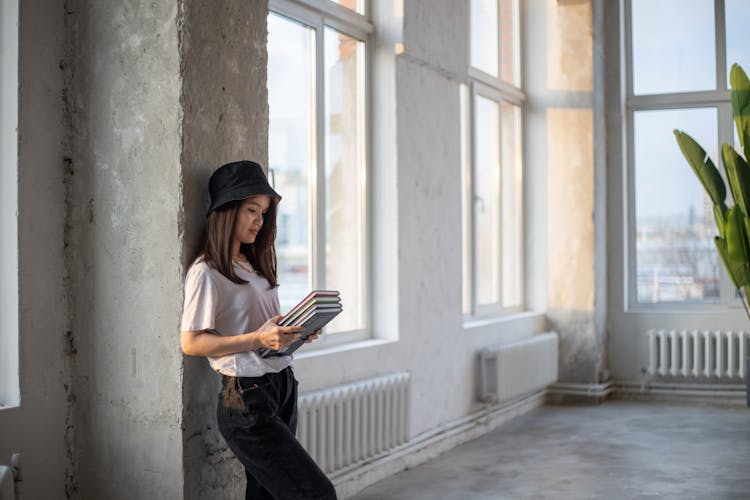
[
  {"x": 731, "y": 394},
  {"x": 571, "y": 393},
  {"x": 431, "y": 444}
]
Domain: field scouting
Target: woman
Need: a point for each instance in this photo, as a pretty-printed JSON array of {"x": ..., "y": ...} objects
[{"x": 231, "y": 309}]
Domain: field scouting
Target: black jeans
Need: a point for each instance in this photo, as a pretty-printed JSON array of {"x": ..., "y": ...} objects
[{"x": 258, "y": 418}]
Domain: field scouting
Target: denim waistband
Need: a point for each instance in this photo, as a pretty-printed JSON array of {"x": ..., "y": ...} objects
[{"x": 266, "y": 376}]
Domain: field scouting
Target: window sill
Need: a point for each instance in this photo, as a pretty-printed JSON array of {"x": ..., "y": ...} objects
[
  {"x": 471, "y": 322},
  {"x": 4, "y": 409},
  {"x": 349, "y": 346},
  {"x": 682, "y": 308}
]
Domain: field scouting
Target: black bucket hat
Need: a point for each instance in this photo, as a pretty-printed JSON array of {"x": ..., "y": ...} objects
[{"x": 236, "y": 181}]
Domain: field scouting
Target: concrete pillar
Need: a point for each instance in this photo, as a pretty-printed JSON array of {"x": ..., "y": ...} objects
[
  {"x": 560, "y": 86},
  {"x": 123, "y": 248},
  {"x": 225, "y": 118},
  {"x": 428, "y": 77}
]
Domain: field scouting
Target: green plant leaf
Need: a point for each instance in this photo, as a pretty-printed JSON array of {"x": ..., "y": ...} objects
[
  {"x": 737, "y": 246},
  {"x": 719, "y": 217},
  {"x": 721, "y": 246},
  {"x": 704, "y": 168},
  {"x": 738, "y": 173},
  {"x": 746, "y": 132},
  {"x": 740, "y": 104}
]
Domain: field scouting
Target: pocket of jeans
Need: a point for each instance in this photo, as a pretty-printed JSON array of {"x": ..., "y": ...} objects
[{"x": 258, "y": 398}]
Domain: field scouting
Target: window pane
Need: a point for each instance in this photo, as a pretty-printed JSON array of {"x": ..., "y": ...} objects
[
  {"x": 291, "y": 92},
  {"x": 484, "y": 50},
  {"x": 344, "y": 175},
  {"x": 674, "y": 47},
  {"x": 357, "y": 6},
  {"x": 486, "y": 201},
  {"x": 676, "y": 260},
  {"x": 509, "y": 70},
  {"x": 512, "y": 208},
  {"x": 738, "y": 34}
]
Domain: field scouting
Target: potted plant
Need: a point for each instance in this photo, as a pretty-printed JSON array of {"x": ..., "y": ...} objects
[{"x": 733, "y": 223}]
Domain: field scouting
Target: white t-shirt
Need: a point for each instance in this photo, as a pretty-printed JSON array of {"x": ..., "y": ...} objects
[{"x": 213, "y": 302}]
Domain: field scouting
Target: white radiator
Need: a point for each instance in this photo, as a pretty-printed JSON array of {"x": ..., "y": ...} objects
[
  {"x": 695, "y": 353},
  {"x": 508, "y": 371},
  {"x": 344, "y": 425},
  {"x": 6, "y": 483}
]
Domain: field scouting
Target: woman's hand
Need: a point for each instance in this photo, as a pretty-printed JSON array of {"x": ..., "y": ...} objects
[
  {"x": 314, "y": 335},
  {"x": 277, "y": 337}
]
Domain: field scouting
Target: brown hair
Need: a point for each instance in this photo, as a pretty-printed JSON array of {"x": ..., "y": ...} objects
[{"x": 217, "y": 251}]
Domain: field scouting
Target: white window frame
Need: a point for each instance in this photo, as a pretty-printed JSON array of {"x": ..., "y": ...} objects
[
  {"x": 720, "y": 99},
  {"x": 9, "y": 322},
  {"x": 480, "y": 83},
  {"x": 317, "y": 15}
]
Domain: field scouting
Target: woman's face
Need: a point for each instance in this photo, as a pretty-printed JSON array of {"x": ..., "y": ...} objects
[{"x": 250, "y": 218}]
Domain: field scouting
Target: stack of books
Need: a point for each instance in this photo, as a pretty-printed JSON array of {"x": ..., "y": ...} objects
[{"x": 313, "y": 312}]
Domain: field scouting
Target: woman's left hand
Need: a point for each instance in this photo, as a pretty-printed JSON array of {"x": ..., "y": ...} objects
[{"x": 313, "y": 336}]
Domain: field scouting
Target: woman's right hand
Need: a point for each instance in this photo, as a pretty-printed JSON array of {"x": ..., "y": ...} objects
[{"x": 277, "y": 337}]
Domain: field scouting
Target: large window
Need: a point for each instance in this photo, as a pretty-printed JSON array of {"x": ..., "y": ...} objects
[
  {"x": 317, "y": 74},
  {"x": 9, "y": 389},
  {"x": 677, "y": 78},
  {"x": 492, "y": 186}
]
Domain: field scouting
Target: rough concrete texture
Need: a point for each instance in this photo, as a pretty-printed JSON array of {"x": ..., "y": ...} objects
[
  {"x": 570, "y": 197},
  {"x": 37, "y": 429},
  {"x": 124, "y": 249},
  {"x": 580, "y": 355},
  {"x": 570, "y": 45},
  {"x": 570, "y": 191},
  {"x": 433, "y": 33},
  {"x": 429, "y": 231},
  {"x": 225, "y": 105},
  {"x": 619, "y": 450}
]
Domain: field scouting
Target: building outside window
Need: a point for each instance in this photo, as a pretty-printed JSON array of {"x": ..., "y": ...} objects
[
  {"x": 318, "y": 154},
  {"x": 493, "y": 168},
  {"x": 677, "y": 76}
]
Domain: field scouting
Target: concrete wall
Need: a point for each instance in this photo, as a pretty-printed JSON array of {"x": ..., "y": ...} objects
[
  {"x": 124, "y": 248},
  {"x": 225, "y": 105},
  {"x": 38, "y": 428}
]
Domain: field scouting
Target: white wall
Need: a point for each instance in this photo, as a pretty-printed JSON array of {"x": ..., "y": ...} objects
[{"x": 431, "y": 340}]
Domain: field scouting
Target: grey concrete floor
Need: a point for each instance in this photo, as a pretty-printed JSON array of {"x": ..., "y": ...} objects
[{"x": 617, "y": 450}]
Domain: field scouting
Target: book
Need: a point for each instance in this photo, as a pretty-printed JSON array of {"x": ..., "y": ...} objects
[{"x": 313, "y": 312}]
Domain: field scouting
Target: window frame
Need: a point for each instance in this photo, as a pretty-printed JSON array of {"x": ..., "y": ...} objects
[
  {"x": 495, "y": 89},
  {"x": 719, "y": 99},
  {"x": 319, "y": 15},
  {"x": 10, "y": 390}
]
